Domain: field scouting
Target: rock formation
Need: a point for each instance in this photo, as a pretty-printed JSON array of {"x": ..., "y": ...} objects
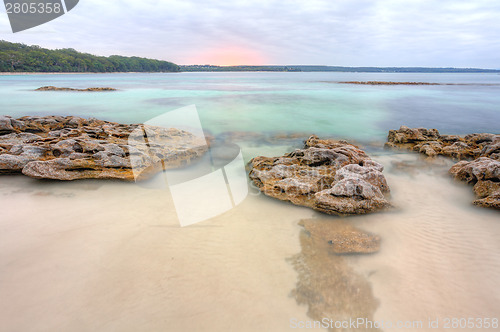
[
  {"x": 484, "y": 174},
  {"x": 479, "y": 156},
  {"x": 53, "y": 88},
  {"x": 70, "y": 148},
  {"x": 330, "y": 176},
  {"x": 430, "y": 143}
]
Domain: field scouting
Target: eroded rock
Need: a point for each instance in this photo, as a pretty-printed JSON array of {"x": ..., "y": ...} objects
[
  {"x": 70, "y": 148},
  {"x": 483, "y": 149},
  {"x": 430, "y": 143},
  {"x": 333, "y": 177},
  {"x": 484, "y": 174}
]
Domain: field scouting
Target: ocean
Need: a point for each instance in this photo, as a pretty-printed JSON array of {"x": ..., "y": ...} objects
[{"x": 106, "y": 255}]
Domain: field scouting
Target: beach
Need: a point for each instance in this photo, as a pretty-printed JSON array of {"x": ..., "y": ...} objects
[
  {"x": 72, "y": 260},
  {"x": 110, "y": 255}
]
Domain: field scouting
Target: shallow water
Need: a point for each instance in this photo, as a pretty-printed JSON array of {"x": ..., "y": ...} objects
[
  {"x": 440, "y": 256},
  {"x": 95, "y": 255},
  {"x": 105, "y": 255},
  {"x": 73, "y": 261},
  {"x": 271, "y": 102}
]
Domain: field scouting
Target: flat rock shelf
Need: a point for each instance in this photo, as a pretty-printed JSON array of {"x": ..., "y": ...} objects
[
  {"x": 54, "y": 88},
  {"x": 71, "y": 148}
]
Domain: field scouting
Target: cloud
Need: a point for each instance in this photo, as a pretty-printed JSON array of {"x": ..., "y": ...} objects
[{"x": 342, "y": 32}]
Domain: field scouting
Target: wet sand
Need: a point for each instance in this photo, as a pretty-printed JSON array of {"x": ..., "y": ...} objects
[{"x": 101, "y": 256}]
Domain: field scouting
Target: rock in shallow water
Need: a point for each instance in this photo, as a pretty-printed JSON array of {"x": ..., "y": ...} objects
[
  {"x": 484, "y": 173},
  {"x": 333, "y": 177},
  {"x": 430, "y": 143},
  {"x": 70, "y": 148},
  {"x": 483, "y": 149}
]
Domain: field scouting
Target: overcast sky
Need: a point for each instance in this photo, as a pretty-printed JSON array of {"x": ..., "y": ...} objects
[{"x": 431, "y": 33}]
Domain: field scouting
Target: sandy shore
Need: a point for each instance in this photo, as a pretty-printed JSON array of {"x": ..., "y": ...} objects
[
  {"x": 110, "y": 256},
  {"x": 103, "y": 256}
]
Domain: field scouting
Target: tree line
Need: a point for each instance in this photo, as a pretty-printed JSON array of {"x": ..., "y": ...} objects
[
  {"x": 309, "y": 68},
  {"x": 15, "y": 57}
]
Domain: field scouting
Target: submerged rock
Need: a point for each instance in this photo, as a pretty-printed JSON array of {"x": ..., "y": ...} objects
[
  {"x": 341, "y": 237},
  {"x": 70, "y": 148},
  {"x": 333, "y": 177},
  {"x": 327, "y": 284}
]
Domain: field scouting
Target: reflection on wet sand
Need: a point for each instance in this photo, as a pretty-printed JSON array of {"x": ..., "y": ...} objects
[{"x": 326, "y": 283}]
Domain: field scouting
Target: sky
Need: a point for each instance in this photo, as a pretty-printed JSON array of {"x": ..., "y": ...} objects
[{"x": 403, "y": 33}]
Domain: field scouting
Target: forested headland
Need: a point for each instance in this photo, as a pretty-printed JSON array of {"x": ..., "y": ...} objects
[{"x": 15, "y": 57}]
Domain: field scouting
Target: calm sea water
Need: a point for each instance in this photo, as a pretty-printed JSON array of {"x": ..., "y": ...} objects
[
  {"x": 272, "y": 102},
  {"x": 110, "y": 256}
]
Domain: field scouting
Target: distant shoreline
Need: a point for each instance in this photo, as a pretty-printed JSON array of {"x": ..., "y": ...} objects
[
  {"x": 244, "y": 71},
  {"x": 333, "y": 69},
  {"x": 78, "y": 73},
  {"x": 21, "y": 59},
  {"x": 263, "y": 69},
  {"x": 407, "y": 83}
]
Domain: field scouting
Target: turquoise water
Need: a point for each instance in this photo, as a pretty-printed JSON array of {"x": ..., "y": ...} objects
[
  {"x": 271, "y": 102},
  {"x": 110, "y": 256}
]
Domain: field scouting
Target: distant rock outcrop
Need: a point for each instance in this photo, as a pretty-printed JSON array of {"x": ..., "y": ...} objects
[
  {"x": 333, "y": 177},
  {"x": 53, "y": 88},
  {"x": 70, "y": 148},
  {"x": 388, "y": 83}
]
